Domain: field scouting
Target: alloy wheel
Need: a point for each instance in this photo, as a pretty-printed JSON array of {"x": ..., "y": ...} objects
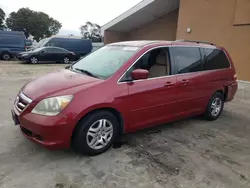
[
  {"x": 34, "y": 60},
  {"x": 66, "y": 60},
  {"x": 216, "y": 106},
  {"x": 99, "y": 134}
]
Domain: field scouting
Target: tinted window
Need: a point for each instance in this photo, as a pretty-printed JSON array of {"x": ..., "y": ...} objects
[
  {"x": 215, "y": 59},
  {"x": 48, "y": 50},
  {"x": 11, "y": 39},
  {"x": 187, "y": 59}
]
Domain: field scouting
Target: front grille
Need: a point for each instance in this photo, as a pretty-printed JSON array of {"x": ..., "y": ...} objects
[{"x": 22, "y": 102}]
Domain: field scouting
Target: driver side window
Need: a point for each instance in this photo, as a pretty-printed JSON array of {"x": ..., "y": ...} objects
[{"x": 155, "y": 61}]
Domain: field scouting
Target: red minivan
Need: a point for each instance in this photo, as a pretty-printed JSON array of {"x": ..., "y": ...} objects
[{"x": 123, "y": 87}]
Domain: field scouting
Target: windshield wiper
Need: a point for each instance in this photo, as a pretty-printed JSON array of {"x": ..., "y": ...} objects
[{"x": 86, "y": 72}]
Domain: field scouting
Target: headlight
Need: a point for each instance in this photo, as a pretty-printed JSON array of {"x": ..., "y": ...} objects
[
  {"x": 52, "y": 106},
  {"x": 25, "y": 54}
]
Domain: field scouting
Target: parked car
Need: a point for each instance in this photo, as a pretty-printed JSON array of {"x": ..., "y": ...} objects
[
  {"x": 79, "y": 46},
  {"x": 46, "y": 54},
  {"x": 11, "y": 43},
  {"x": 124, "y": 87}
]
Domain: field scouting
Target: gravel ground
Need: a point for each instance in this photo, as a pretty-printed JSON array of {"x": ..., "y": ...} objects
[{"x": 190, "y": 153}]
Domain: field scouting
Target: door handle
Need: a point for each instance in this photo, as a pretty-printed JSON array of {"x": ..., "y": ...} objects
[
  {"x": 184, "y": 82},
  {"x": 168, "y": 84}
]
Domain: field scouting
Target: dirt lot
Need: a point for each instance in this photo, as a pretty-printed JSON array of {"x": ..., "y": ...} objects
[{"x": 189, "y": 153}]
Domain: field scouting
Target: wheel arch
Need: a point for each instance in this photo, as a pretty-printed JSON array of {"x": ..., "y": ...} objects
[
  {"x": 66, "y": 56},
  {"x": 7, "y": 52},
  {"x": 112, "y": 110},
  {"x": 33, "y": 56},
  {"x": 223, "y": 91}
]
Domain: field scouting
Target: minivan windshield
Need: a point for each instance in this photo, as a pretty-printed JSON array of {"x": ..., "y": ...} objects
[{"x": 105, "y": 61}]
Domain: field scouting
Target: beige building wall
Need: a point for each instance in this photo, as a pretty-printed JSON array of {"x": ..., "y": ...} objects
[
  {"x": 163, "y": 28},
  {"x": 224, "y": 22},
  {"x": 114, "y": 36}
]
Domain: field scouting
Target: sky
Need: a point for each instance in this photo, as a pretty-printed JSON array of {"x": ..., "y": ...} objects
[{"x": 73, "y": 13}]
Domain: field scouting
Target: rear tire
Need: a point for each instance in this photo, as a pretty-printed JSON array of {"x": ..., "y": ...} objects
[
  {"x": 66, "y": 60},
  {"x": 34, "y": 60},
  {"x": 214, "y": 107},
  {"x": 6, "y": 56},
  {"x": 95, "y": 133}
]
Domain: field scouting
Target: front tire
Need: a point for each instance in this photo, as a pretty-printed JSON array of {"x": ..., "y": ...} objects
[
  {"x": 215, "y": 107},
  {"x": 95, "y": 133},
  {"x": 6, "y": 56},
  {"x": 34, "y": 60}
]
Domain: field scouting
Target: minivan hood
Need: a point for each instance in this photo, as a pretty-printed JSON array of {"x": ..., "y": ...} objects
[{"x": 51, "y": 83}]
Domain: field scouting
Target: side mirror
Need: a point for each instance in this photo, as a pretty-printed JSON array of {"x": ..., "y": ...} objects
[{"x": 139, "y": 74}]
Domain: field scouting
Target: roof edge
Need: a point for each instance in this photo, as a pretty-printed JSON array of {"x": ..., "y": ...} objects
[{"x": 126, "y": 14}]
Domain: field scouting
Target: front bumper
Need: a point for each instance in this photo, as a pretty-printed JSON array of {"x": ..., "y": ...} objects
[
  {"x": 52, "y": 132},
  {"x": 23, "y": 58}
]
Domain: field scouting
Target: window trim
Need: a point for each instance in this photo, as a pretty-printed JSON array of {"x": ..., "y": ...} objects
[
  {"x": 205, "y": 60},
  {"x": 121, "y": 82},
  {"x": 171, "y": 62},
  {"x": 176, "y": 65}
]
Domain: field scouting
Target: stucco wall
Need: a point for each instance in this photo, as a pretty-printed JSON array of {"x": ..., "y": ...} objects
[
  {"x": 163, "y": 28},
  {"x": 114, "y": 36},
  {"x": 214, "y": 21}
]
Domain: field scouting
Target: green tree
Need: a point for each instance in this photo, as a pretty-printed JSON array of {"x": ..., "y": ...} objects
[
  {"x": 91, "y": 31},
  {"x": 38, "y": 24},
  {"x": 2, "y": 17}
]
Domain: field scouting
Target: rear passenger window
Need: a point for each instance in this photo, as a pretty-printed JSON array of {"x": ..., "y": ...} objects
[
  {"x": 187, "y": 59},
  {"x": 215, "y": 59}
]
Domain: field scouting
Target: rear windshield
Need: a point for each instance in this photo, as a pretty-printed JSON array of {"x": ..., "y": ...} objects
[{"x": 104, "y": 62}]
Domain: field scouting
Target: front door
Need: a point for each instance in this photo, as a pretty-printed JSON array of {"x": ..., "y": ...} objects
[
  {"x": 152, "y": 101},
  {"x": 46, "y": 55}
]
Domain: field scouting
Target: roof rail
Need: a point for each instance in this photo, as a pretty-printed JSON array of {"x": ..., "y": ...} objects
[{"x": 195, "y": 41}]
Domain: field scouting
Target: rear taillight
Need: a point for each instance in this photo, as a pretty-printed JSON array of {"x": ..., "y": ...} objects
[{"x": 235, "y": 77}]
